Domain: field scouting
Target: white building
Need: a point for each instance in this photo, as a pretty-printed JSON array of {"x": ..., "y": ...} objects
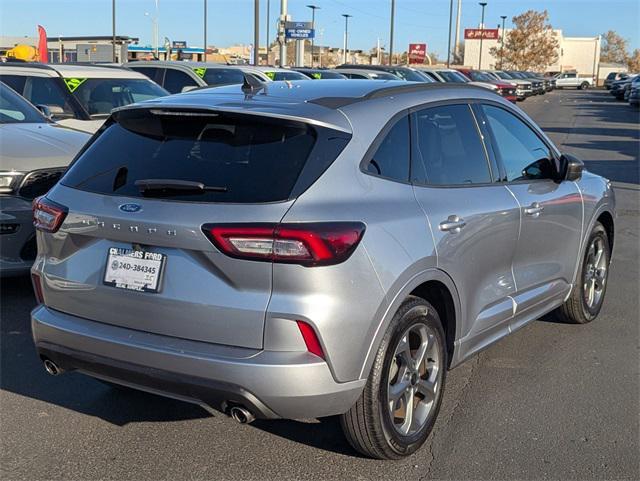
[{"x": 581, "y": 54}]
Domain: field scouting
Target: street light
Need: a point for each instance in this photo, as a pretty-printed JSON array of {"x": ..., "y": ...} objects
[
  {"x": 449, "y": 37},
  {"x": 482, "y": 4},
  {"x": 204, "y": 56},
  {"x": 393, "y": 14},
  {"x": 313, "y": 26},
  {"x": 503, "y": 17},
  {"x": 113, "y": 29},
  {"x": 346, "y": 33}
]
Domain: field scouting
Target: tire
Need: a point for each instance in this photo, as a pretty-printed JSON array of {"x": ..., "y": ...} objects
[
  {"x": 579, "y": 309},
  {"x": 372, "y": 426},
  {"x": 584, "y": 86}
]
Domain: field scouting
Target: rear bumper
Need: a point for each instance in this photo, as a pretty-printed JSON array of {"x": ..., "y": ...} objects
[{"x": 270, "y": 384}]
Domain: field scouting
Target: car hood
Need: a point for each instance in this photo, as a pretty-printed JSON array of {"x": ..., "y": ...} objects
[{"x": 27, "y": 147}]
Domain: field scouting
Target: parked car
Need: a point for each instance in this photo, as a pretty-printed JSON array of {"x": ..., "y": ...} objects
[
  {"x": 78, "y": 96},
  {"x": 403, "y": 73},
  {"x": 523, "y": 87},
  {"x": 613, "y": 77},
  {"x": 34, "y": 152},
  {"x": 320, "y": 73},
  {"x": 453, "y": 76},
  {"x": 505, "y": 89},
  {"x": 537, "y": 84},
  {"x": 331, "y": 249},
  {"x": 619, "y": 87},
  {"x": 634, "y": 94},
  {"x": 546, "y": 82},
  {"x": 572, "y": 80},
  {"x": 177, "y": 77},
  {"x": 367, "y": 74}
]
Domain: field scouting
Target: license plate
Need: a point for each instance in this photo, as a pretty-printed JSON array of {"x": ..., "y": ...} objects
[{"x": 134, "y": 270}]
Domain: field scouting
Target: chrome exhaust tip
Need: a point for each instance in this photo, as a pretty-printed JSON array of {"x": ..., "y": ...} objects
[
  {"x": 241, "y": 415},
  {"x": 51, "y": 367}
]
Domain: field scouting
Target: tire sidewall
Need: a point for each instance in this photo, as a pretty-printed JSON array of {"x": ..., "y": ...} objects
[
  {"x": 415, "y": 312},
  {"x": 591, "y": 313}
]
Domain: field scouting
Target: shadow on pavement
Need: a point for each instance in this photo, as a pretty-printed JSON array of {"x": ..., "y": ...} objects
[{"x": 21, "y": 373}]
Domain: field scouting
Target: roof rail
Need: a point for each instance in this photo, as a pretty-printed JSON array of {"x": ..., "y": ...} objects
[{"x": 39, "y": 65}]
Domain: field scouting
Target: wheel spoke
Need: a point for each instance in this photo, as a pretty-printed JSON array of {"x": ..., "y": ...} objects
[
  {"x": 408, "y": 412},
  {"x": 428, "y": 389},
  {"x": 397, "y": 390},
  {"x": 422, "y": 350}
]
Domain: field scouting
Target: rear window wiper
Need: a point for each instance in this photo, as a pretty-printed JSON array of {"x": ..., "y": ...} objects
[{"x": 150, "y": 185}]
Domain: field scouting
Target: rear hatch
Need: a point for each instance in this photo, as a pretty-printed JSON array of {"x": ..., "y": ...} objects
[{"x": 131, "y": 251}]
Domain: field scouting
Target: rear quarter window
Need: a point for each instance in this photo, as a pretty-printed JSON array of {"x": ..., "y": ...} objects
[{"x": 254, "y": 159}]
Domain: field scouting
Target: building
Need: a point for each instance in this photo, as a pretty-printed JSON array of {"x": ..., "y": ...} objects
[
  {"x": 581, "y": 54},
  {"x": 89, "y": 49}
]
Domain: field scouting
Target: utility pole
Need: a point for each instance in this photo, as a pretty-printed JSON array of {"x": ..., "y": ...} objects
[
  {"x": 256, "y": 32},
  {"x": 346, "y": 34},
  {"x": 267, "y": 26},
  {"x": 113, "y": 29},
  {"x": 456, "y": 43},
  {"x": 313, "y": 26},
  {"x": 393, "y": 14},
  {"x": 281, "y": 33},
  {"x": 482, "y": 4},
  {"x": 449, "y": 37},
  {"x": 204, "y": 56},
  {"x": 503, "y": 17}
]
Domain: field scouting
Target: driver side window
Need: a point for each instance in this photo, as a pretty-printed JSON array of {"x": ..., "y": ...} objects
[{"x": 523, "y": 154}]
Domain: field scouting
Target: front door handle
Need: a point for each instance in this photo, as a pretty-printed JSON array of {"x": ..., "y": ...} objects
[
  {"x": 534, "y": 210},
  {"x": 453, "y": 224}
]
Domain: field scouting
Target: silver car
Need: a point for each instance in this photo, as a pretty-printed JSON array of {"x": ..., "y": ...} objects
[
  {"x": 34, "y": 152},
  {"x": 308, "y": 249}
]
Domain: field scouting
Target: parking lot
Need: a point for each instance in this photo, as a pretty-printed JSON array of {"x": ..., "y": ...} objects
[{"x": 552, "y": 401}]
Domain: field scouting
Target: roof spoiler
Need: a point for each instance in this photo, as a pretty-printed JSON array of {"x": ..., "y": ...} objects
[{"x": 251, "y": 84}]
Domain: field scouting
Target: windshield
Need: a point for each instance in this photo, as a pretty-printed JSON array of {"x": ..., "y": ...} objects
[
  {"x": 99, "y": 96},
  {"x": 16, "y": 110},
  {"x": 287, "y": 75},
  {"x": 221, "y": 76},
  {"x": 480, "y": 76},
  {"x": 410, "y": 75},
  {"x": 450, "y": 76},
  {"x": 323, "y": 74},
  {"x": 518, "y": 75},
  {"x": 504, "y": 75}
]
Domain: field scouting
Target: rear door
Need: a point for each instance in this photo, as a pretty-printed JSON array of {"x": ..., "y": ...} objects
[
  {"x": 250, "y": 169},
  {"x": 551, "y": 227},
  {"x": 474, "y": 220}
]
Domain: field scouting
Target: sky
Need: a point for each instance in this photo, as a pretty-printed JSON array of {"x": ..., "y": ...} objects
[{"x": 231, "y": 21}]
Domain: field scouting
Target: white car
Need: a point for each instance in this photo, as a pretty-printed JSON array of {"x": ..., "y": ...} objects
[
  {"x": 78, "y": 96},
  {"x": 571, "y": 80}
]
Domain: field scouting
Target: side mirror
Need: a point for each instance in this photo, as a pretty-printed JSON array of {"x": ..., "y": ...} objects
[
  {"x": 574, "y": 167},
  {"x": 188, "y": 88},
  {"x": 45, "y": 110}
]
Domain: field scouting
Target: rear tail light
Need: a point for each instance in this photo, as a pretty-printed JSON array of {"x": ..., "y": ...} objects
[
  {"x": 48, "y": 215},
  {"x": 308, "y": 244},
  {"x": 310, "y": 339},
  {"x": 37, "y": 287}
]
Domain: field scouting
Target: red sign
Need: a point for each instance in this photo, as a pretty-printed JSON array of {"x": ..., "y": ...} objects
[
  {"x": 477, "y": 33},
  {"x": 417, "y": 52}
]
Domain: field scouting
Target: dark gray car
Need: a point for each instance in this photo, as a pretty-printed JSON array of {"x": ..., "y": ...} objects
[{"x": 308, "y": 249}]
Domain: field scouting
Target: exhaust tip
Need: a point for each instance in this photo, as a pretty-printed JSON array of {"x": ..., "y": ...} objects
[
  {"x": 51, "y": 367},
  {"x": 241, "y": 415}
]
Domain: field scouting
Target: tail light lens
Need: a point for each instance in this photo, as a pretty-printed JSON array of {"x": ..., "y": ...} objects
[
  {"x": 48, "y": 215},
  {"x": 310, "y": 339},
  {"x": 308, "y": 244},
  {"x": 37, "y": 287}
]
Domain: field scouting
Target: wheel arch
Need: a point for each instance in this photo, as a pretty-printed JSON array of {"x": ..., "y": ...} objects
[
  {"x": 429, "y": 285},
  {"x": 606, "y": 219}
]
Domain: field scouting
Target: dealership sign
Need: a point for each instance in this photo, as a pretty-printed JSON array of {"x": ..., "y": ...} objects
[
  {"x": 299, "y": 30},
  {"x": 179, "y": 44},
  {"x": 417, "y": 52},
  {"x": 478, "y": 33}
]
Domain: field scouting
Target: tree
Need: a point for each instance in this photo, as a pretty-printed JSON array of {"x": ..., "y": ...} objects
[
  {"x": 531, "y": 44},
  {"x": 633, "y": 61},
  {"x": 458, "y": 55},
  {"x": 614, "y": 48}
]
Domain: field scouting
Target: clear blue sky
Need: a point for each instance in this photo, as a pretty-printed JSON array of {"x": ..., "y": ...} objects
[{"x": 231, "y": 21}]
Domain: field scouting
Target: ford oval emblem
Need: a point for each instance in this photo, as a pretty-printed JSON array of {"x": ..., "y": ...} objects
[{"x": 130, "y": 208}]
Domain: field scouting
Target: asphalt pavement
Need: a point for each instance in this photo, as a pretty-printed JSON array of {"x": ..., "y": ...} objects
[{"x": 552, "y": 401}]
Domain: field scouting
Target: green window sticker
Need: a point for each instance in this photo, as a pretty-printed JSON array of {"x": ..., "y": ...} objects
[
  {"x": 271, "y": 75},
  {"x": 73, "y": 83},
  {"x": 316, "y": 75},
  {"x": 200, "y": 71}
]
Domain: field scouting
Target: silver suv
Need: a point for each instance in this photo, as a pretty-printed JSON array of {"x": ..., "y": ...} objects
[{"x": 308, "y": 249}]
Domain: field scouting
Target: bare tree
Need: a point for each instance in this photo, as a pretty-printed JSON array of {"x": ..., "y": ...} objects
[
  {"x": 633, "y": 61},
  {"x": 614, "y": 48},
  {"x": 531, "y": 44}
]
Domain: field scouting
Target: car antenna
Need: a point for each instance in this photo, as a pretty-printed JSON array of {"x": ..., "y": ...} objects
[{"x": 251, "y": 84}]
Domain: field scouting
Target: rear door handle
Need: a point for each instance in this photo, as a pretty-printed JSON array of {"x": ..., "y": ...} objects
[
  {"x": 534, "y": 210},
  {"x": 453, "y": 224}
]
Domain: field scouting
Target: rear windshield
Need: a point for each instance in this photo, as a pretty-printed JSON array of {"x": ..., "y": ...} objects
[
  {"x": 222, "y": 76},
  {"x": 238, "y": 158}
]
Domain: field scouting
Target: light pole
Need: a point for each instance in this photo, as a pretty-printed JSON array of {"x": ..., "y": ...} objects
[
  {"x": 313, "y": 26},
  {"x": 113, "y": 29},
  {"x": 449, "y": 37},
  {"x": 256, "y": 32},
  {"x": 482, "y": 4},
  {"x": 503, "y": 17},
  {"x": 204, "y": 56},
  {"x": 393, "y": 14},
  {"x": 154, "y": 30},
  {"x": 346, "y": 34},
  {"x": 267, "y": 27}
]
